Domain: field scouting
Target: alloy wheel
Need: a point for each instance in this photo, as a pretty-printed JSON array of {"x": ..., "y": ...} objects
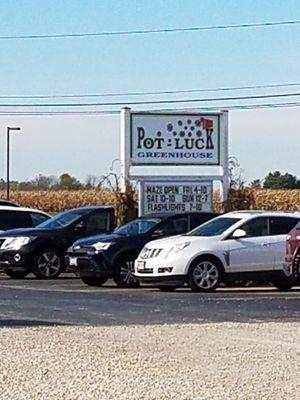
[
  {"x": 206, "y": 275},
  {"x": 49, "y": 264},
  {"x": 126, "y": 272}
]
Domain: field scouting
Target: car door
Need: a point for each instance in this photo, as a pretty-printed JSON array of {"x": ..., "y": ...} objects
[
  {"x": 251, "y": 253},
  {"x": 279, "y": 228},
  {"x": 95, "y": 223}
]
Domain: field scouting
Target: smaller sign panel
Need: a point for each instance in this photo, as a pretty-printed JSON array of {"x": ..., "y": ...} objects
[{"x": 179, "y": 196}]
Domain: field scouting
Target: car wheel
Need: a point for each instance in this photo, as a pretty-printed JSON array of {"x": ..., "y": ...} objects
[
  {"x": 123, "y": 274},
  {"x": 48, "y": 264},
  {"x": 165, "y": 288},
  {"x": 17, "y": 274},
  {"x": 284, "y": 285},
  {"x": 204, "y": 275}
]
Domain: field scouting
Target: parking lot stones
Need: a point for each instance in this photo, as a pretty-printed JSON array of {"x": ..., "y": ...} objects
[{"x": 188, "y": 361}]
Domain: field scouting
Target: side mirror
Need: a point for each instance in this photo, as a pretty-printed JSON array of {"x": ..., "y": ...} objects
[
  {"x": 239, "y": 233},
  {"x": 80, "y": 227}
]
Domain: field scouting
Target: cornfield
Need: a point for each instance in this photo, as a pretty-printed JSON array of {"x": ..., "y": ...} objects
[
  {"x": 263, "y": 199},
  {"x": 124, "y": 203},
  {"x": 60, "y": 200}
]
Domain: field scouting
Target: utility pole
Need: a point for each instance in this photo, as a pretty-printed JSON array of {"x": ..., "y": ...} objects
[{"x": 8, "y": 130}]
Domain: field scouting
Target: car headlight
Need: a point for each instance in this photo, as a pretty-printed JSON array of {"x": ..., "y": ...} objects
[
  {"x": 179, "y": 247},
  {"x": 101, "y": 245},
  {"x": 15, "y": 243}
]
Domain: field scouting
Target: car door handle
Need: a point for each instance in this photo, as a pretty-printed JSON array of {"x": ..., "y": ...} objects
[{"x": 265, "y": 244}]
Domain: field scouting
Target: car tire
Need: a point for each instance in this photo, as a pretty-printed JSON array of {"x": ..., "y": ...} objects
[
  {"x": 123, "y": 272},
  {"x": 165, "y": 288},
  {"x": 17, "y": 274},
  {"x": 205, "y": 274},
  {"x": 96, "y": 282},
  {"x": 48, "y": 264},
  {"x": 284, "y": 285}
]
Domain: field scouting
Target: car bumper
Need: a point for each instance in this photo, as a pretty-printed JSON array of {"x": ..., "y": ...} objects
[
  {"x": 88, "y": 265},
  {"x": 156, "y": 270},
  {"x": 174, "y": 280},
  {"x": 14, "y": 260}
]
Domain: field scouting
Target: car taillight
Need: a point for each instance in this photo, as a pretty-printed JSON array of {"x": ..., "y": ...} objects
[
  {"x": 288, "y": 237},
  {"x": 298, "y": 237}
]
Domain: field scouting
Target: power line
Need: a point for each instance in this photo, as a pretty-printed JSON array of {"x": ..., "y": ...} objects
[
  {"x": 162, "y": 92},
  {"x": 238, "y": 107},
  {"x": 150, "y": 31},
  {"x": 148, "y": 102}
]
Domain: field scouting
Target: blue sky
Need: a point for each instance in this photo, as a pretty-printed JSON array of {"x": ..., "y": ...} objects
[{"x": 262, "y": 140}]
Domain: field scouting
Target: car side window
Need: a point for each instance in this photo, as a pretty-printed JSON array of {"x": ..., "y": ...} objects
[
  {"x": 176, "y": 226},
  {"x": 98, "y": 222},
  {"x": 14, "y": 219},
  {"x": 37, "y": 218},
  {"x": 256, "y": 227},
  {"x": 282, "y": 225}
]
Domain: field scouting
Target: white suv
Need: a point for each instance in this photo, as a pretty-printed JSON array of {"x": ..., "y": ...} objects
[{"x": 242, "y": 245}]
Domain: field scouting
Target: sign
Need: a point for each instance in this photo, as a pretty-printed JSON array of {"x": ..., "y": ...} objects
[
  {"x": 175, "y": 139},
  {"x": 174, "y": 156},
  {"x": 175, "y": 196}
]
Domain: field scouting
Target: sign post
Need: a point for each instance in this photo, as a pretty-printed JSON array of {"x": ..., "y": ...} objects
[{"x": 180, "y": 150}]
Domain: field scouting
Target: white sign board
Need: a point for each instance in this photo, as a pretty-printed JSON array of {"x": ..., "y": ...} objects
[
  {"x": 174, "y": 139},
  {"x": 175, "y": 196},
  {"x": 183, "y": 150}
]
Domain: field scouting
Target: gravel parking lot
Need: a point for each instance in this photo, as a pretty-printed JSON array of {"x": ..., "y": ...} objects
[{"x": 61, "y": 340}]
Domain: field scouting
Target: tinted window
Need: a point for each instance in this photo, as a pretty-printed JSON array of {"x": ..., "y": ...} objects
[
  {"x": 199, "y": 219},
  {"x": 138, "y": 226},
  {"x": 282, "y": 225},
  {"x": 37, "y": 218},
  {"x": 14, "y": 219},
  {"x": 63, "y": 220},
  {"x": 256, "y": 227},
  {"x": 176, "y": 226},
  {"x": 215, "y": 227},
  {"x": 298, "y": 226},
  {"x": 97, "y": 222}
]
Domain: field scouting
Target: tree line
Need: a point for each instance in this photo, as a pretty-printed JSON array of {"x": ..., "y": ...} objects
[
  {"x": 273, "y": 180},
  {"x": 63, "y": 182}
]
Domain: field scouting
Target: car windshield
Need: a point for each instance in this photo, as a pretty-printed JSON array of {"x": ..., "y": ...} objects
[
  {"x": 138, "y": 226},
  {"x": 62, "y": 220},
  {"x": 214, "y": 227}
]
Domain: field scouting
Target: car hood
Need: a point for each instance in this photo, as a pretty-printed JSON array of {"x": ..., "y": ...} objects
[
  {"x": 105, "y": 237},
  {"x": 174, "y": 240},
  {"x": 29, "y": 232}
]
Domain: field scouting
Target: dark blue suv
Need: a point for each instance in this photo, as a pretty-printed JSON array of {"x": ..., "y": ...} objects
[{"x": 98, "y": 258}]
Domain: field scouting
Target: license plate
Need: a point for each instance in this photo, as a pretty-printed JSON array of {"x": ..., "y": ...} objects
[
  {"x": 73, "y": 261},
  {"x": 141, "y": 265}
]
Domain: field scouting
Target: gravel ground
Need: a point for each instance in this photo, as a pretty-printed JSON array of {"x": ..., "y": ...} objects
[{"x": 208, "y": 361}]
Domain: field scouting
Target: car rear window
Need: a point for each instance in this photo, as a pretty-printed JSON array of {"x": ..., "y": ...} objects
[{"x": 37, "y": 218}]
